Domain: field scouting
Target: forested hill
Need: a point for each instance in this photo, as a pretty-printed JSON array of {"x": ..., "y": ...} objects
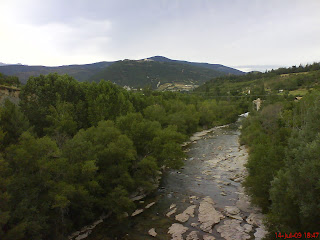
[
  {"x": 295, "y": 81},
  {"x": 79, "y": 72},
  {"x": 144, "y": 72},
  {"x": 217, "y": 67},
  {"x": 85, "y": 72}
]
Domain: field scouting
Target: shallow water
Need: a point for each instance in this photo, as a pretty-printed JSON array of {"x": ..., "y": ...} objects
[{"x": 211, "y": 161}]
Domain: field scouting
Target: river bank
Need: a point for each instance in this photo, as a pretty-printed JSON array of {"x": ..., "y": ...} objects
[{"x": 203, "y": 200}]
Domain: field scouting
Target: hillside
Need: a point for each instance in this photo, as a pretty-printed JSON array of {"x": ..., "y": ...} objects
[
  {"x": 142, "y": 73},
  {"x": 217, "y": 67},
  {"x": 94, "y": 71},
  {"x": 295, "y": 81},
  {"x": 79, "y": 72}
]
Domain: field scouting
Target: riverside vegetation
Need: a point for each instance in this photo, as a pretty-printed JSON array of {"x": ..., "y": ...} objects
[
  {"x": 73, "y": 151},
  {"x": 284, "y": 163}
]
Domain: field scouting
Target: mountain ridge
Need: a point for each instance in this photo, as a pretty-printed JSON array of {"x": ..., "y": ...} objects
[
  {"x": 218, "y": 67},
  {"x": 85, "y": 72}
]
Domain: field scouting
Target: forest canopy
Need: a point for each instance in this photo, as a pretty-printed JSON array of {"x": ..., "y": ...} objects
[{"x": 72, "y": 151}]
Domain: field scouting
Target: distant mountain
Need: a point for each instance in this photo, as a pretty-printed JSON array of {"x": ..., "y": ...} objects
[
  {"x": 139, "y": 73},
  {"x": 79, "y": 72},
  {"x": 133, "y": 73},
  {"x": 217, "y": 67}
]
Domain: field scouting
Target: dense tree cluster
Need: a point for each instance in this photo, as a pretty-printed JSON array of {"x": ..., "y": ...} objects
[
  {"x": 72, "y": 151},
  {"x": 284, "y": 163},
  {"x": 9, "y": 80}
]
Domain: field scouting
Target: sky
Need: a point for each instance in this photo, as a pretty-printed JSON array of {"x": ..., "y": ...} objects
[{"x": 245, "y": 34}]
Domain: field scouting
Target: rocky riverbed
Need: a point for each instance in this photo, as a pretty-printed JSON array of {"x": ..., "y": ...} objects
[{"x": 204, "y": 200}]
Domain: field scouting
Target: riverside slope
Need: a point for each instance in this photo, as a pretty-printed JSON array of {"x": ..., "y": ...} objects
[{"x": 203, "y": 200}]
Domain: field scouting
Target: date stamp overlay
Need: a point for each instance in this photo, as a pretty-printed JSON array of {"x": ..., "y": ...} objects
[{"x": 298, "y": 235}]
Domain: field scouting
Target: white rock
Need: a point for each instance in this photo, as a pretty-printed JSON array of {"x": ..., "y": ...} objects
[
  {"x": 232, "y": 210},
  {"x": 184, "y": 216},
  {"x": 192, "y": 236},
  {"x": 235, "y": 217},
  {"x": 208, "y": 215},
  {"x": 260, "y": 233},
  {"x": 172, "y": 206},
  {"x": 207, "y": 237},
  {"x": 247, "y": 228},
  {"x": 255, "y": 219},
  {"x": 150, "y": 205},
  {"x": 136, "y": 212},
  {"x": 171, "y": 212},
  {"x": 231, "y": 230},
  {"x": 176, "y": 230},
  {"x": 152, "y": 232}
]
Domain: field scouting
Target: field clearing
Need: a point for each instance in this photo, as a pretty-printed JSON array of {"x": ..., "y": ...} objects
[{"x": 300, "y": 92}]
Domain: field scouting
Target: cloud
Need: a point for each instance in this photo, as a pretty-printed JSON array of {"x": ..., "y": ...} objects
[
  {"x": 235, "y": 32},
  {"x": 77, "y": 41}
]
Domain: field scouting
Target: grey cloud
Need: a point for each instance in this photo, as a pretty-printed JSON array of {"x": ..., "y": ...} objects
[{"x": 235, "y": 32}]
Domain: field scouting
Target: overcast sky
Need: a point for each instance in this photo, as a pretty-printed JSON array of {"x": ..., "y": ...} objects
[{"x": 240, "y": 33}]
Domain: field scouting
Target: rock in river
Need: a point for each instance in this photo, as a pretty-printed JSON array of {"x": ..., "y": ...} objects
[
  {"x": 207, "y": 237},
  {"x": 150, "y": 205},
  {"x": 171, "y": 212},
  {"x": 176, "y": 230},
  {"x": 208, "y": 215},
  {"x": 260, "y": 233},
  {"x": 231, "y": 230},
  {"x": 255, "y": 219},
  {"x": 189, "y": 212},
  {"x": 136, "y": 212},
  {"x": 192, "y": 236},
  {"x": 152, "y": 232},
  {"x": 232, "y": 210}
]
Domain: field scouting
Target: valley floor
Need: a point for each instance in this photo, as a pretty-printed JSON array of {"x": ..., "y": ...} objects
[{"x": 204, "y": 200}]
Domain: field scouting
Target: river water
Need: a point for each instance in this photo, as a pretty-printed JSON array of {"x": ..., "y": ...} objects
[{"x": 215, "y": 168}]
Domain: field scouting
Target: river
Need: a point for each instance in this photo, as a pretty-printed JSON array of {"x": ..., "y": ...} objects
[{"x": 214, "y": 168}]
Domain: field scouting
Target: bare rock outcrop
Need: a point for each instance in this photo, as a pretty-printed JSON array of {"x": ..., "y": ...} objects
[
  {"x": 173, "y": 211},
  {"x": 176, "y": 230},
  {"x": 152, "y": 232},
  {"x": 150, "y": 205},
  {"x": 260, "y": 233},
  {"x": 255, "y": 219},
  {"x": 231, "y": 230},
  {"x": 184, "y": 216},
  {"x": 136, "y": 212},
  {"x": 208, "y": 215},
  {"x": 207, "y": 237},
  {"x": 193, "y": 236}
]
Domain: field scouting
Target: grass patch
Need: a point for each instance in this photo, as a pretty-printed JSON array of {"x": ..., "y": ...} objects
[{"x": 299, "y": 92}]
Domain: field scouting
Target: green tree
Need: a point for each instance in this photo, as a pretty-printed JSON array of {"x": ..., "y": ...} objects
[{"x": 12, "y": 123}]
